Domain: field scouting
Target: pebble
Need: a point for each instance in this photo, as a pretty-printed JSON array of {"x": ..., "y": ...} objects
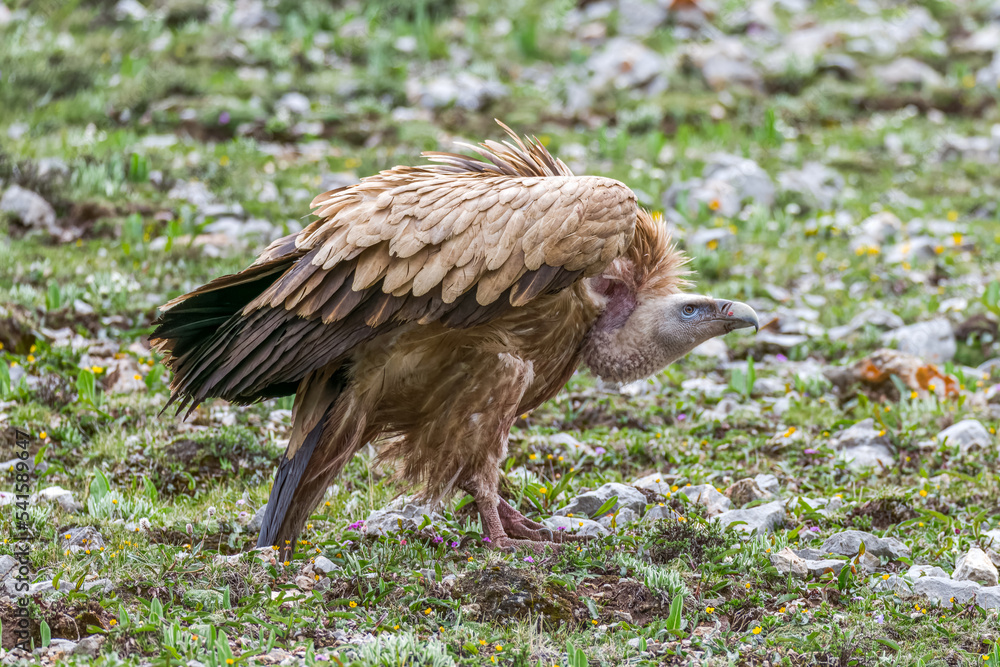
[
  {"x": 758, "y": 520},
  {"x": 976, "y": 566},
  {"x": 707, "y": 496},
  {"x": 848, "y": 543},
  {"x": 968, "y": 434},
  {"x": 586, "y": 504},
  {"x": 933, "y": 341}
]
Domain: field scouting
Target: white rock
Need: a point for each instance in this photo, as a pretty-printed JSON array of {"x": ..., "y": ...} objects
[
  {"x": 587, "y": 503},
  {"x": 933, "y": 341},
  {"x": 625, "y": 516},
  {"x": 661, "y": 482},
  {"x": 917, "y": 571},
  {"x": 623, "y": 63},
  {"x": 976, "y": 566},
  {"x": 30, "y": 208},
  {"x": 787, "y": 561},
  {"x": 708, "y": 496},
  {"x": 968, "y": 434},
  {"x": 403, "y": 513},
  {"x": 848, "y": 543},
  {"x": 768, "y": 482},
  {"x": 758, "y": 520},
  {"x": 907, "y": 71},
  {"x": 815, "y": 185}
]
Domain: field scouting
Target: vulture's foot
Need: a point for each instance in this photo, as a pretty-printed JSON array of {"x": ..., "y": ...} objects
[{"x": 518, "y": 526}]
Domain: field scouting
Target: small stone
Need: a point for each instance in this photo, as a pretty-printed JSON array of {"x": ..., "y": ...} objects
[
  {"x": 894, "y": 584},
  {"x": 787, "y": 561},
  {"x": 864, "y": 446},
  {"x": 7, "y": 565},
  {"x": 815, "y": 185},
  {"x": 257, "y": 521},
  {"x": 401, "y": 514},
  {"x": 708, "y": 496},
  {"x": 586, "y": 504},
  {"x": 81, "y": 539},
  {"x": 660, "y": 511},
  {"x": 58, "y": 648},
  {"x": 625, "y": 516},
  {"x": 304, "y": 583},
  {"x": 968, "y": 434},
  {"x": 89, "y": 646},
  {"x": 933, "y": 341},
  {"x": 768, "y": 483},
  {"x": 976, "y": 566},
  {"x": 758, "y": 520},
  {"x": 818, "y": 568},
  {"x": 60, "y": 496},
  {"x": 660, "y": 482},
  {"x": 917, "y": 571},
  {"x": 30, "y": 209},
  {"x": 907, "y": 71},
  {"x": 576, "y": 526},
  {"x": 746, "y": 491},
  {"x": 294, "y": 103},
  {"x": 323, "y": 565},
  {"x": 940, "y": 590},
  {"x": 848, "y": 543}
]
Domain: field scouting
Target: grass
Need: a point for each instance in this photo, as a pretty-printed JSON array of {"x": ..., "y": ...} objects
[{"x": 134, "y": 110}]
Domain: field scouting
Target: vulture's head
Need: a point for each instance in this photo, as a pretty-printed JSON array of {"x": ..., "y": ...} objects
[
  {"x": 631, "y": 341},
  {"x": 646, "y": 321}
]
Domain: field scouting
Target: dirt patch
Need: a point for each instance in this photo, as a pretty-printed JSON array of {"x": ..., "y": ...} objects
[
  {"x": 502, "y": 593},
  {"x": 619, "y": 600},
  {"x": 67, "y": 621},
  {"x": 885, "y": 512}
]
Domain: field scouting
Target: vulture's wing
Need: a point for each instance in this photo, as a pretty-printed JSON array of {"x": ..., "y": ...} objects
[{"x": 457, "y": 243}]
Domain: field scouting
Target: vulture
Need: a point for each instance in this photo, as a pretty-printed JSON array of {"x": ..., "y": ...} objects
[{"x": 426, "y": 308}]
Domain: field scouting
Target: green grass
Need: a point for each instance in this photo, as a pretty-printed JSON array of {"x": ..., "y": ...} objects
[{"x": 135, "y": 109}]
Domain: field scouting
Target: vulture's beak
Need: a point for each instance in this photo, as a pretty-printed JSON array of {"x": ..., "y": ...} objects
[{"x": 737, "y": 315}]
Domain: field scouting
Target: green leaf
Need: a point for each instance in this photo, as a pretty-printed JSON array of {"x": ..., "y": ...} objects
[
  {"x": 99, "y": 486},
  {"x": 888, "y": 642},
  {"x": 40, "y": 455},
  {"x": 46, "y": 633},
  {"x": 608, "y": 504},
  {"x": 675, "y": 621},
  {"x": 86, "y": 386},
  {"x": 4, "y": 380}
]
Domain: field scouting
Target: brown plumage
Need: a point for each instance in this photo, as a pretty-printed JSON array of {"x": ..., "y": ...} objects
[{"x": 427, "y": 307}]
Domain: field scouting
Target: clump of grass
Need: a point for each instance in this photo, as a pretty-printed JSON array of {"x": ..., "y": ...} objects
[{"x": 668, "y": 583}]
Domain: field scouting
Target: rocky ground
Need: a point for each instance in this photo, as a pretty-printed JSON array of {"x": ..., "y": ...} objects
[{"x": 823, "y": 493}]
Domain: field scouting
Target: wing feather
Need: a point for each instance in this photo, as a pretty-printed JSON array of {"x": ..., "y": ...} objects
[{"x": 459, "y": 242}]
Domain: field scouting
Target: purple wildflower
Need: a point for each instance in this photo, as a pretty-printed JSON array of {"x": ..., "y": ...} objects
[
  {"x": 814, "y": 529},
  {"x": 356, "y": 525},
  {"x": 880, "y": 619},
  {"x": 780, "y": 357},
  {"x": 599, "y": 450},
  {"x": 529, "y": 559},
  {"x": 454, "y": 544},
  {"x": 810, "y": 450},
  {"x": 240, "y": 501},
  {"x": 437, "y": 539},
  {"x": 223, "y": 118},
  {"x": 560, "y": 527},
  {"x": 243, "y": 515},
  {"x": 681, "y": 417},
  {"x": 486, "y": 539}
]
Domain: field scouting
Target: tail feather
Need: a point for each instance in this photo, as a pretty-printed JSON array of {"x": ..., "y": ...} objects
[{"x": 326, "y": 432}]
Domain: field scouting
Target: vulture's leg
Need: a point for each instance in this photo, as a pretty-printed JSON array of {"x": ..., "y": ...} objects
[
  {"x": 327, "y": 429},
  {"x": 488, "y": 412}
]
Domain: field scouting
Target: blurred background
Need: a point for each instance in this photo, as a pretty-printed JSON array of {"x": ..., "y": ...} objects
[{"x": 834, "y": 163}]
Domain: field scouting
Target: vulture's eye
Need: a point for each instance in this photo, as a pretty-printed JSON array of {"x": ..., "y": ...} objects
[{"x": 689, "y": 310}]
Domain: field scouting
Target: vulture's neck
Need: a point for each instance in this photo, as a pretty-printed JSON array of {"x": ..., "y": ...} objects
[{"x": 620, "y": 347}]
